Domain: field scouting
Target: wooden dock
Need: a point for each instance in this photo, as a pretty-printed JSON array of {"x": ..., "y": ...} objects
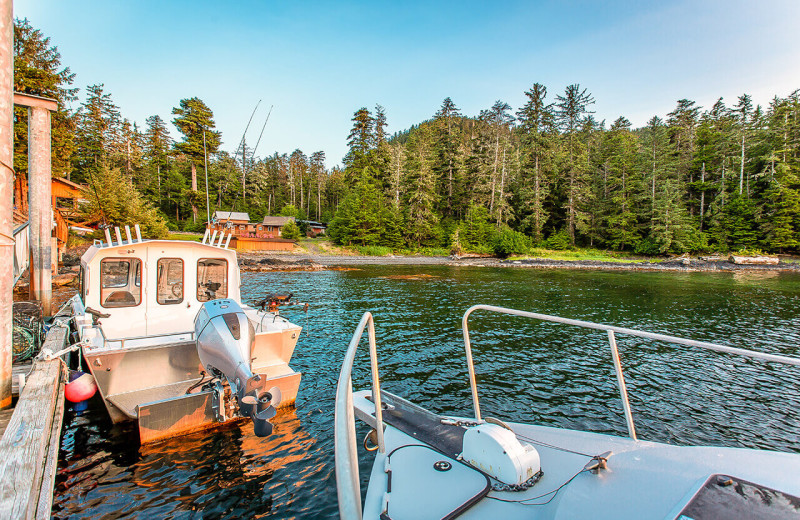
[{"x": 29, "y": 446}]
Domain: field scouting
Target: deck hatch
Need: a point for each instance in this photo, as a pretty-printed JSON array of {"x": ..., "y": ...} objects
[{"x": 723, "y": 496}]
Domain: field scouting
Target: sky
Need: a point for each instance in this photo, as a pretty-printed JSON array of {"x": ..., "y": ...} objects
[{"x": 317, "y": 63}]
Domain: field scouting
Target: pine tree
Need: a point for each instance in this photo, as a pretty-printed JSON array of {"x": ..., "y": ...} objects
[
  {"x": 319, "y": 176},
  {"x": 98, "y": 130},
  {"x": 744, "y": 116},
  {"x": 446, "y": 161},
  {"x": 38, "y": 71},
  {"x": 360, "y": 144},
  {"x": 196, "y": 122},
  {"x": 157, "y": 143},
  {"x": 420, "y": 199},
  {"x": 620, "y": 185},
  {"x": 570, "y": 109},
  {"x": 538, "y": 132}
]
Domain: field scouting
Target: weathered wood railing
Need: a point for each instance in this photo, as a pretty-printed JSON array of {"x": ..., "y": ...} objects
[{"x": 29, "y": 447}]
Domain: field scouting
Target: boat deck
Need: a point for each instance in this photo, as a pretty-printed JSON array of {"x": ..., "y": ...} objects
[{"x": 643, "y": 479}]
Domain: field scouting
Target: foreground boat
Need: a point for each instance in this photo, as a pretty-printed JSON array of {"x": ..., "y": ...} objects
[
  {"x": 169, "y": 342},
  {"x": 430, "y": 466}
]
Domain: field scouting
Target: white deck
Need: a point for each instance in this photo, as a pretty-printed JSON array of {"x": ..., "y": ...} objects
[{"x": 644, "y": 479}]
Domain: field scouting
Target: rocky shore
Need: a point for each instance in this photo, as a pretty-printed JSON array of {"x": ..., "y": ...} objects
[{"x": 307, "y": 262}]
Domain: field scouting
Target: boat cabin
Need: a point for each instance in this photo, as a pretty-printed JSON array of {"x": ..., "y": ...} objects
[{"x": 155, "y": 287}]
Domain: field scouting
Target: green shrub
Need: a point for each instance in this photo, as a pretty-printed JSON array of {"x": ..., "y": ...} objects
[
  {"x": 290, "y": 231},
  {"x": 373, "y": 250},
  {"x": 508, "y": 242},
  {"x": 558, "y": 241}
]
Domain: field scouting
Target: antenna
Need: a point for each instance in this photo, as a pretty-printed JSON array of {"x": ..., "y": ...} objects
[
  {"x": 262, "y": 130},
  {"x": 244, "y": 148},
  {"x": 248, "y": 123}
]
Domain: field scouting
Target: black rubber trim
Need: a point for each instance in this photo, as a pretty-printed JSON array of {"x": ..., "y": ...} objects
[
  {"x": 423, "y": 425},
  {"x": 460, "y": 509}
]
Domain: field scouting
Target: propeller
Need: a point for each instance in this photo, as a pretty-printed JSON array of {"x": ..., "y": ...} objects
[{"x": 261, "y": 408}]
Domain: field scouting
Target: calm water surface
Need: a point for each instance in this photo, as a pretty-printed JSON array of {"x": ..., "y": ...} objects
[{"x": 528, "y": 371}]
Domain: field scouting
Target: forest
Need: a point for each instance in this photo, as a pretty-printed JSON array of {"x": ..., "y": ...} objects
[{"x": 547, "y": 174}]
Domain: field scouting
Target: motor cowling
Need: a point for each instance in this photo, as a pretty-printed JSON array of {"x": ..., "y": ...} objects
[{"x": 224, "y": 337}]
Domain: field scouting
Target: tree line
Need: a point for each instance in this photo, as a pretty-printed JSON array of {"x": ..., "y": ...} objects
[{"x": 719, "y": 178}]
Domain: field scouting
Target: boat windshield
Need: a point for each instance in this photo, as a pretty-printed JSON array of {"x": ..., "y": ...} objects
[
  {"x": 212, "y": 279},
  {"x": 120, "y": 282}
]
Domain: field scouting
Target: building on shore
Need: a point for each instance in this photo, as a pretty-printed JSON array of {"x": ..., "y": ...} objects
[{"x": 252, "y": 236}]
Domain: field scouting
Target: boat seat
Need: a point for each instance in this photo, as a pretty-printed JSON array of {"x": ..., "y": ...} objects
[{"x": 119, "y": 299}]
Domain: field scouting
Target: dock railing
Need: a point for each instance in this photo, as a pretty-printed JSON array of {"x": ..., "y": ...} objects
[{"x": 612, "y": 331}]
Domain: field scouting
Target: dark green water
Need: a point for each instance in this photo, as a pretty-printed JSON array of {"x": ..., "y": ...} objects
[{"x": 528, "y": 371}]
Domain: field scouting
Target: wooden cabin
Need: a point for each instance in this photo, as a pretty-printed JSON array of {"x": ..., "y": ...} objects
[{"x": 252, "y": 236}]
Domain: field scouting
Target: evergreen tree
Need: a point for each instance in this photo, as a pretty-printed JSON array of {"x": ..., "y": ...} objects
[
  {"x": 38, "y": 71},
  {"x": 620, "y": 186},
  {"x": 98, "y": 132},
  {"x": 359, "y": 142},
  {"x": 570, "y": 110},
  {"x": 420, "y": 200},
  {"x": 537, "y": 130},
  {"x": 446, "y": 162},
  {"x": 157, "y": 143},
  {"x": 196, "y": 122}
]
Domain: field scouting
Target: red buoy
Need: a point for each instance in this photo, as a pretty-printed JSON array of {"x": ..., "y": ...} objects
[{"x": 80, "y": 388}]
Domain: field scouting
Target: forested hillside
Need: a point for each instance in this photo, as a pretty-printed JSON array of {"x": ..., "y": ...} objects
[{"x": 718, "y": 178}]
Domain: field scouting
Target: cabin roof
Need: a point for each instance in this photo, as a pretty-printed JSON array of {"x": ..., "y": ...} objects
[
  {"x": 231, "y": 215},
  {"x": 276, "y": 221}
]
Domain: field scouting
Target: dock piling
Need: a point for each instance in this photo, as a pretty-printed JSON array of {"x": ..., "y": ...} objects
[{"x": 6, "y": 196}]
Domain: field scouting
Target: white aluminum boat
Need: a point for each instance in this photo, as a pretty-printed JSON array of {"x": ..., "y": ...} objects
[
  {"x": 169, "y": 342},
  {"x": 430, "y": 466}
]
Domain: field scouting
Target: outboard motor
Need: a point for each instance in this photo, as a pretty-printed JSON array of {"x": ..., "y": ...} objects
[{"x": 224, "y": 339}]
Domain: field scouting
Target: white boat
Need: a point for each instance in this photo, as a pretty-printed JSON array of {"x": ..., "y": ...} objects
[
  {"x": 430, "y": 466},
  {"x": 170, "y": 343}
]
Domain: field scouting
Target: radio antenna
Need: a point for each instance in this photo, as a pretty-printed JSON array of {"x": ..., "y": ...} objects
[
  {"x": 243, "y": 144},
  {"x": 262, "y": 130}
]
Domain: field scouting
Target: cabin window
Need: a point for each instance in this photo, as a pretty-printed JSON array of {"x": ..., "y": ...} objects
[
  {"x": 120, "y": 282},
  {"x": 170, "y": 281},
  {"x": 212, "y": 279}
]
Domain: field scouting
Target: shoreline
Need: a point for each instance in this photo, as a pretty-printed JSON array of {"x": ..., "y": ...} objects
[{"x": 268, "y": 261}]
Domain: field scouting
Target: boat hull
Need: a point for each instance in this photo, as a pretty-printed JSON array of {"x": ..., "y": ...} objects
[{"x": 149, "y": 384}]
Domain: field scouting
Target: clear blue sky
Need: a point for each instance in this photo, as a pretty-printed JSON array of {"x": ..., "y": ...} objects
[{"x": 318, "y": 62}]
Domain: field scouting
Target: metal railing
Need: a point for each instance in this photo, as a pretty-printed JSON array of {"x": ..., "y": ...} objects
[
  {"x": 346, "y": 455},
  {"x": 22, "y": 254},
  {"x": 348, "y": 487},
  {"x": 614, "y": 352}
]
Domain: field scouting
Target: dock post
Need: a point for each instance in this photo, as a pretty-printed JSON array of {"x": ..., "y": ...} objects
[
  {"x": 6, "y": 196},
  {"x": 41, "y": 210}
]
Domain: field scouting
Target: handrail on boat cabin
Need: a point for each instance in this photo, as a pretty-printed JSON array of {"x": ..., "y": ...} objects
[
  {"x": 348, "y": 487},
  {"x": 611, "y": 330}
]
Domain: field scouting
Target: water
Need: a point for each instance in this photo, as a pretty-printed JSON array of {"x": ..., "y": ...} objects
[{"x": 528, "y": 371}]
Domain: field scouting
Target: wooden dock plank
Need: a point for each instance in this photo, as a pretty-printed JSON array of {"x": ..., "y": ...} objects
[
  {"x": 5, "y": 416},
  {"x": 27, "y": 440},
  {"x": 45, "y": 503},
  {"x": 16, "y": 370}
]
